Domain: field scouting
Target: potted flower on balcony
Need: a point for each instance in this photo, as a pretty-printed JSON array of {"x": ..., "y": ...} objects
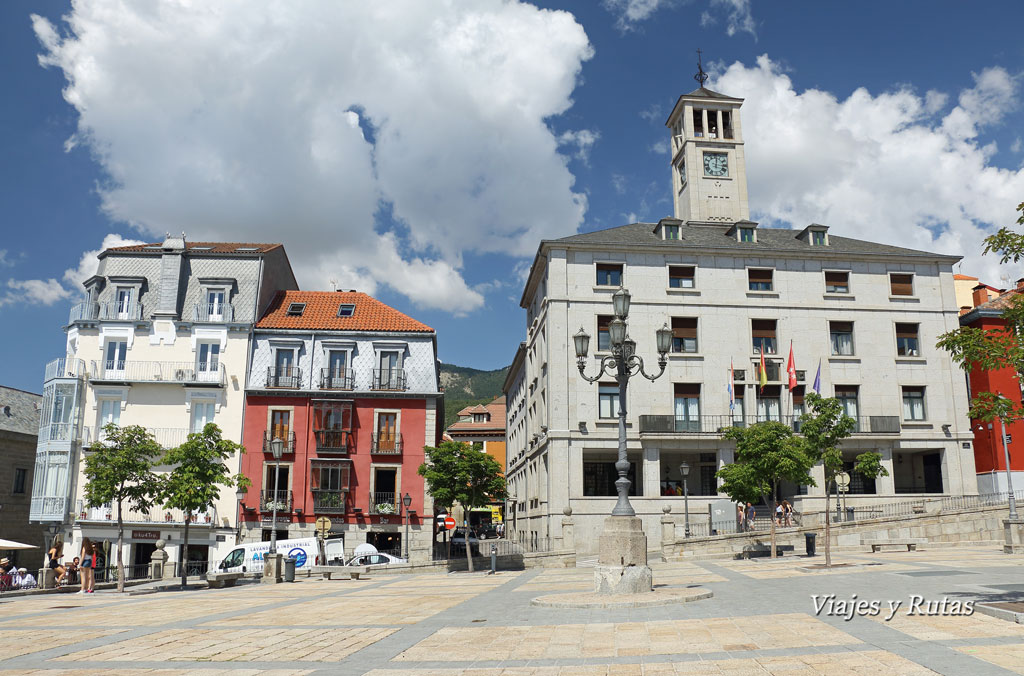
[
  {"x": 208, "y": 518},
  {"x": 385, "y": 508},
  {"x": 167, "y": 516}
]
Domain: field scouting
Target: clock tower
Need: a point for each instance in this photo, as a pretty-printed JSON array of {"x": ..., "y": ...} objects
[{"x": 709, "y": 174}]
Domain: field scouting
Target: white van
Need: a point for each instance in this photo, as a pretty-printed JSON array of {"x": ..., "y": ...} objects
[{"x": 307, "y": 552}]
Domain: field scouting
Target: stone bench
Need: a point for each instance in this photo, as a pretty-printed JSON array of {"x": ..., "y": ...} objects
[
  {"x": 910, "y": 543},
  {"x": 341, "y": 572},
  {"x": 763, "y": 550},
  {"x": 223, "y": 579}
]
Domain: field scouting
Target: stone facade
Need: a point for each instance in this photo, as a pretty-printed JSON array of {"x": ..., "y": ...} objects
[
  {"x": 725, "y": 289},
  {"x": 19, "y": 427}
]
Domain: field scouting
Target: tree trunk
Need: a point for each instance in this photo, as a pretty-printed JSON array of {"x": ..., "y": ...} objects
[
  {"x": 469, "y": 552},
  {"x": 828, "y": 529},
  {"x": 771, "y": 515},
  {"x": 184, "y": 553},
  {"x": 120, "y": 548}
]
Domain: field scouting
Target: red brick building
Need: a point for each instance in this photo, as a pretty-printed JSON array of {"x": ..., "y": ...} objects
[
  {"x": 350, "y": 385},
  {"x": 989, "y": 457}
]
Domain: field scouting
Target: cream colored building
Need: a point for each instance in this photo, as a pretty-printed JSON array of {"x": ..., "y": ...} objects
[
  {"x": 868, "y": 313},
  {"x": 162, "y": 341}
]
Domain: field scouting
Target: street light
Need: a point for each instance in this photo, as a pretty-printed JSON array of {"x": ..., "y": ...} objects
[
  {"x": 277, "y": 448},
  {"x": 684, "y": 469},
  {"x": 407, "y": 500},
  {"x": 1006, "y": 458},
  {"x": 240, "y": 495}
]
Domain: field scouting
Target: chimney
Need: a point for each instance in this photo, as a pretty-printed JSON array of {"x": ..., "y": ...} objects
[
  {"x": 980, "y": 295},
  {"x": 1020, "y": 284}
]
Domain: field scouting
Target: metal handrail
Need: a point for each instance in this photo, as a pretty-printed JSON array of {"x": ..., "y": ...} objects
[
  {"x": 212, "y": 373},
  {"x": 213, "y": 312},
  {"x": 385, "y": 503},
  {"x": 337, "y": 379},
  {"x": 289, "y": 441},
  {"x": 716, "y": 424},
  {"x": 166, "y": 437},
  {"x": 330, "y": 501},
  {"x": 116, "y": 311},
  {"x": 282, "y": 498},
  {"x": 289, "y": 377},
  {"x": 386, "y": 445},
  {"x": 389, "y": 379},
  {"x": 66, "y": 367},
  {"x": 332, "y": 441}
]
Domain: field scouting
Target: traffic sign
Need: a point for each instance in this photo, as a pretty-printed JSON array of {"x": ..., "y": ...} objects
[
  {"x": 323, "y": 525},
  {"x": 843, "y": 480},
  {"x": 449, "y": 523}
]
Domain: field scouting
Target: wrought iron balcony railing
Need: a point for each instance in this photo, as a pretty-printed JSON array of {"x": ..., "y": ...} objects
[
  {"x": 389, "y": 379},
  {"x": 283, "y": 500},
  {"x": 385, "y": 503},
  {"x": 714, "y": 424},
  {"x": 177, "y": 372},
  {"x": 213, "y": 312},
  {"x": 332, "y": 441},
  {"x": 386, "y": 444},
  {"x": 337, "y": 379},
  {"x": 329, "y": 502},
  {"x": 288, "y": 438},
  {"x": 289, "y": 377}
]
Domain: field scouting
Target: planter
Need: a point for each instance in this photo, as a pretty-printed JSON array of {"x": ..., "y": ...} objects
[
  {"x": 208, "y": 519},
  {"x": 385, "y": 508},
  {"x": 109, "y": 517},
  {"x": 167, "y": 516}
]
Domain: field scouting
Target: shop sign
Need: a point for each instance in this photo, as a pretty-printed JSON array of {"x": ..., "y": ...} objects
[{"x": 145, "y": 535}]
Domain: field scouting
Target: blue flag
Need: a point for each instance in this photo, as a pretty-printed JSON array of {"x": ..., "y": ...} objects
[
  {"x": 729, "y": 386},
  {"x": 817, "y": 379}
]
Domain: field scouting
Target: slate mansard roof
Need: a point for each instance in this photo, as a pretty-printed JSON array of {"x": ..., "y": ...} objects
[
  {"x": 19, "y": 411},
  {"x": 320, "y": 312},
  {"x": 198, "y": 248}
]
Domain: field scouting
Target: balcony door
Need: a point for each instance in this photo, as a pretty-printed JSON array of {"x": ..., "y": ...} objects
[
  {"x": 285, "y": 374},
  {"x": 110, "y": 413},
  {"x": 280, "y": 425},
  {"x": 387, "y": 432},
  {"x": 208, "y": 366},
  {"x": 337, "y": 365},
  {"x": 202, "y": 413},
  {"x": 124, "y": 302},
  {"x": 215, "y": 305},
  {"x": 389, "y": 370},
  {"x": 117, "y": 351}
]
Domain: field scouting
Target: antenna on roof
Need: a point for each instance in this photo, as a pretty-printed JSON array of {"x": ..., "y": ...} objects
[
  {"x": 334, "y": 284},
  {"x": 701, "y": 77}
]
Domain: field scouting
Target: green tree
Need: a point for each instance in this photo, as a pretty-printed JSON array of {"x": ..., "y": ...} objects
[
  {"x": 193, "y": 485},
  {"x": 824, "y": 426},
  {"x": 119, "y": 470},
  {"x": 766, "y": 453},
  {"x": 977, "y": 348},
  {"x": 457, "y": 472}
]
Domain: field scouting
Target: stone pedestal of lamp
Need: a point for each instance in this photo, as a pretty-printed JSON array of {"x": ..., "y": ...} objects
[
  {"x": 1013, "y": 530},
  {"x": 273, "y": 568},
  {"x": 622, "y": 558}
]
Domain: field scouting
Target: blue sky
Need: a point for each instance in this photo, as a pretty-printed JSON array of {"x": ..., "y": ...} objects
[{"x": 421, "y": 154}]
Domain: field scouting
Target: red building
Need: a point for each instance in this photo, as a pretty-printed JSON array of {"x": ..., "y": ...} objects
[
  {"x": 350, "y": 386},
  {"x": 989, "y": 457}
]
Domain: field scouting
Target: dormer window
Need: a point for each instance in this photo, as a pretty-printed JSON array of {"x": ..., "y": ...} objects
[
  {"x": 671, "y": 231},
  {"x": 480, "y": 417},
  {"x": 346, "y": 310},
  {"x": 745, "y": 234},
  {"x": 296, "y": 309},
  {"x": 818, "y": 238}
]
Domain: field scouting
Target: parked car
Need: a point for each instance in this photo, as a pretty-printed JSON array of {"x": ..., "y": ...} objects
[
  {"x": 378, "y": 559},
  {"x": 459, "y": 542},
  {"x": 488, "y": 532}
]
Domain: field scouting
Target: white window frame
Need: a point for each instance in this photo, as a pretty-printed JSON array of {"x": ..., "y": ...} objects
[{"x": 201, "y": 401}]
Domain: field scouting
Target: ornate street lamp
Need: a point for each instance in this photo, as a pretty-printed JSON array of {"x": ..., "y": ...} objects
[
  {"x": 623, "y": 536},
  {"x": 684, "y": 469},
  {"x": 240, "y": 495},
  {"x": 407, "y": 500},
  {"x": 277, "y": 448}
]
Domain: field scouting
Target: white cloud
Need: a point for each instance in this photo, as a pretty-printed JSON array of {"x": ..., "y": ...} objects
[
  {"x": 736, "y": 14},
  {"x": 88, "y": 263},
  {"x": 878, "y": 167},
  {"x": 660, "y": 147},
  {"x": 583, "y": 140},
  {"x": 1017, "y": 145},
  {"x": 35, "y": 291},
  {"x": 619, "y": 183},
  {"x": 4, "y": 263},
  {"x": 302, "y": 125},
  {"x": 653, "y": 113}
]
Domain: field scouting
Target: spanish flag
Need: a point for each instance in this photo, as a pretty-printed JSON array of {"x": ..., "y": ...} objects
[{"x": 762, "y": 379}]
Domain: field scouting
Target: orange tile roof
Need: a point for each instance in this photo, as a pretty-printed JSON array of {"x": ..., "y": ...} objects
[
  {"x": 967, "y": 277},
  {"x": 497, "y": 422},
  {"x": 321, "y": 312},
  {"x": 214, "y": 247}
]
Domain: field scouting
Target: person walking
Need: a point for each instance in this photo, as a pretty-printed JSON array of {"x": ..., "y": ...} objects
[
  {"x": 778, "y": 513},
  {"x": 787, "y": 512},
  {"x": 88, "y": 567},
  {"x": 55, "y": 554},
  {"x": 741, "y": 517},
  {"x": 751, "y": 514}
]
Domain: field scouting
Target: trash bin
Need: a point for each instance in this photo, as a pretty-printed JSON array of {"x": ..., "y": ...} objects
[
  {"x": 289, "y": 569},
  {"x": 809, "y": 543},
  {"x": 850, "y": 515}
]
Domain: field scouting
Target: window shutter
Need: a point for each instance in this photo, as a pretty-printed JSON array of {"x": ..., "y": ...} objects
[
  {"x": 841, "y": 327},
  {"x": 759, "y": 275},
  {"x": 837, "y": 277},
  {"x": 684, "y": 327},
  {"x": 763, "y": 328},
  {"x": 687, "y": 389},
  {"x": 684, "y": 271},
  {"x": 906, "y": 330},
  {"x": 901, "y": 284}
]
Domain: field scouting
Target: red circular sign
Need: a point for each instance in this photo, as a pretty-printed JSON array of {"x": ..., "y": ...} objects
[{"x": 449, "y": 523}]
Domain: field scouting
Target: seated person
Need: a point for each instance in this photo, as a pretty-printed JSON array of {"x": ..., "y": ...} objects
[
  {"x": 72, "y": 571},
  {"x": 24, "y": 579}
]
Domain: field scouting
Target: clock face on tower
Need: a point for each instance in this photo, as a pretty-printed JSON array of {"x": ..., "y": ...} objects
[{"x": 716, "y": 164}]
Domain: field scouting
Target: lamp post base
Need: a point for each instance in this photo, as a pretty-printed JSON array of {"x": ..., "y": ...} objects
[
  {"x": 273, "y": 568},
  {"x": 622, "y": 558},
  {"x": 1014, "y": 533}
]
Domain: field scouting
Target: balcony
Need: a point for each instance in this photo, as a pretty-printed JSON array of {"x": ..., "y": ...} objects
[
  {"x": 385, "y": 503},
  {"x": 59, "y": 432},
  {"x": 65, "y": 368},
  {"x": 715, "y": 424},
  {"x": 288, "y": 438},
  {"x": 286, "y": 377},
  {"x": 390, "y": 444},
  {"x": 174, "y": 372},
  {"x": 112, "y": 311},
  {"x": 166, "y": 437},
  {"x": 389, "y": 379},
  {"x": 283, "y": 500},
  {"x": 213, "y": 313},
  {"x": 48, "y": 508},
  {"x": 329, "y": 502},
  {"x": 337, "y": 379},
  {"x": 108, "y": 513},
  {"x": 332, "y": 441}
]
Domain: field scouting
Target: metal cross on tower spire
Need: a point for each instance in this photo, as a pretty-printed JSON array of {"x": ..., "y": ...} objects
[{"x": 701, "y": 77}]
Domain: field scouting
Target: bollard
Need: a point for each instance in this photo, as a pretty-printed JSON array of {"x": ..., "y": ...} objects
[{"x": 494, "y": 559}]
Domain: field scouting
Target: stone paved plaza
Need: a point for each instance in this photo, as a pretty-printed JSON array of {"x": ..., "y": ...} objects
[{"x": 761, "y": 621}]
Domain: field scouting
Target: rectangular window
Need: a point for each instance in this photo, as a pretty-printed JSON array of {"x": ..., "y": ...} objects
[
  {"x": 283, "y": 361},
  {"x": 387, "y": 431},
  {"x": 124, "y": 302},
  {"x": 841, "y": 337},
  {"x": 837, "y": 282},
  {"x": 798, "y": 406},
  {"x": 599, "y": 479},
  {"x": 687, "y": 407},
  {"x": 759, "y": 279},
  {"x": 672, "y": 231},
  {"x": 110, "y": 413},
  {"x": 737, "y": 408},
  {"x": 684, "y": 334},
  {"x": 209, "y": 357},
  {"x": 215, "y": 304},
  {"x": 117, "y": 350},
  {"x": 901, "y": 284},
  {"x": 681, "y": 276},
  {"x": 746, "y": 234},
  {"x": 20, "y": 478},
  {"x": 329, "y": 476},
  {"x": 769, "y": 403},
  {"x": 604, "y": 340},
  {"x": 763, "y": 331},
  {"x": 907, "y": 340},
  {"x": 280, "y": 424},
  {"x": 608, "y": 400},
  {"x": 202, "y": 413},
  {"x": 847, "y": 396},
  {"x": 332, "y": 415},
  {"x": 609, "y": 274},
  {"x": 346, "y": 310},
  {"x": 913, "y": 403},
  {"x": 817, "y": 238}
]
